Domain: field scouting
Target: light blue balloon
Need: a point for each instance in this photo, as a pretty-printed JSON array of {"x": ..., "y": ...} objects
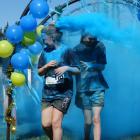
[
  {"x": 36, "y": 48},
  {"x": 14, "y": 34},
  {"x": 28, "y": 23},
  {"x": 39, "y": 8},
  {"x": 20, "y": 61}
]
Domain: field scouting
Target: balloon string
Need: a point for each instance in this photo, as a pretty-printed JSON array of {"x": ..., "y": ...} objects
[
  {"x": 32, "y": 90},
  {"x": 34, "y": 96}
]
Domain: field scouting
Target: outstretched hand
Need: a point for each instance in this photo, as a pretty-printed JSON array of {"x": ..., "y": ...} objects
[
  {"x": 87, "y": 65},
  {"x": 61, "y": 70}
]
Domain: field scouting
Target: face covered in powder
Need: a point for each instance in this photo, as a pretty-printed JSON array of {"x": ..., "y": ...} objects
[
  {"x": 52, "y": 36},
  {"x": 89, "y": 41},
  {"x": 54, "y": 33}
]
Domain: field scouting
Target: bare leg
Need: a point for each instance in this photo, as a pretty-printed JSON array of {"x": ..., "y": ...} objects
[
  {"x": 57, "y": 124},
  {"x": 97, "y": 122},
  {"x": 88, "y": 123},
  {"x": 47, "y": 121}
]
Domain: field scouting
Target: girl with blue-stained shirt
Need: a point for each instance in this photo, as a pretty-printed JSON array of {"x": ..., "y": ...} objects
[{"x": 57, "y": 64}]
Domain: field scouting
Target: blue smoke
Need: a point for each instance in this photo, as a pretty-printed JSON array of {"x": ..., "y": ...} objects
[{"x": 99, "y": 25}]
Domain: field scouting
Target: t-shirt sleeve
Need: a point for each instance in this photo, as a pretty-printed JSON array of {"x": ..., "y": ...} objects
[
  {"x": 41, "y": 61},
  {"x": 101, "y": 58}
]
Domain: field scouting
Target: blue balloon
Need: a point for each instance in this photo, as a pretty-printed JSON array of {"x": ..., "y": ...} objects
[
  {"x": 25, "y": 51},
  {"x": 14, "y": 34},
  {"x": 36, "y": 48},
  {"x": 20, "y": 61},
  {"x": 28, "y": 23},
  {"x": 39, "y": 8}
]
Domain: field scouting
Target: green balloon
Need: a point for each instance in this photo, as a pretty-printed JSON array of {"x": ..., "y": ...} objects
[{"x": 29, "y": 38}]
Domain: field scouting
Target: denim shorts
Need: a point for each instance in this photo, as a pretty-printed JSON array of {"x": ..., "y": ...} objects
[{"x": 89, "y": 100}]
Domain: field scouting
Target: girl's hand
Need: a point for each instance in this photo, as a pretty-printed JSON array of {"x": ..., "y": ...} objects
[
  {"x": 52, "y": 63},
  {"x": 61, "y": 70}
]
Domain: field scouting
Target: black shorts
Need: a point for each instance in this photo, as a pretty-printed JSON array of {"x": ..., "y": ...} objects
[{"x": 60, "y": 104}]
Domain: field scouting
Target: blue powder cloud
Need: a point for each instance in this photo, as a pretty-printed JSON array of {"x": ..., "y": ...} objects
[{"x": 97, "y": 24}]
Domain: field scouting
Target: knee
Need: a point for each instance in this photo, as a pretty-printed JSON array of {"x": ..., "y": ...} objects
[
  {"x": 88, "y": 117},
  {"x": 88, "y": 121},
  {"x": 96, "y": 120},
  {"x": 46, "y": 124},
  {"x": 56, "y": 123}
]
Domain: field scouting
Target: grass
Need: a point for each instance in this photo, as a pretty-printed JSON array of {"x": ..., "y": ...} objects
[
  {"x": 131, "y": 138},
  {"x": 68, "y": 138},
  {"x": 65, "y": 137},
  {"x": 3, "y": 137}
]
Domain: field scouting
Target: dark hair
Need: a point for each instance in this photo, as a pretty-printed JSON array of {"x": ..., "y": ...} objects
[
  {"x": 59, "y": 31},
  {"x": 83, "y": 36},
  {"x": 56, "y": 28}
]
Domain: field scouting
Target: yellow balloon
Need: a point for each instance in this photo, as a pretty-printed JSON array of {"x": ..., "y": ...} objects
[
  {"x": 18, "y": 79},
  {"x": 29, "y": 38},
  {"x": 39, "y": 29},
  {"x": 6, "y": 48}
]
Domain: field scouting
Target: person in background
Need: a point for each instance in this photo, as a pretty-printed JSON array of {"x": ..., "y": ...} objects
[
  {"x": 57, "y": 64},
  {"x": 91, "y": 84}
]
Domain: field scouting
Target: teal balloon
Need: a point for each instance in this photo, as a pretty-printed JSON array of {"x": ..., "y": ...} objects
[
  {"x": 28, "y": 23},
  {"x": 14, "y": 34},
  {"x": 39, "y": 8},
  {"x": 36, "y": 48}
]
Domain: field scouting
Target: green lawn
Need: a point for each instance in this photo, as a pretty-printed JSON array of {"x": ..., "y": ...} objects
[
  {"x": 64, "y": 138},
  {"x": 3, "y": 136}
]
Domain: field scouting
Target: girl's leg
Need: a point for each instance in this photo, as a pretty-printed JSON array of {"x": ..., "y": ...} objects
[
  {"x": 88, "y": 123},
  {"x": 97, "y": 122},
  {"x": 47, "y": 121},
  {"x": 57, "y": 124}
]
